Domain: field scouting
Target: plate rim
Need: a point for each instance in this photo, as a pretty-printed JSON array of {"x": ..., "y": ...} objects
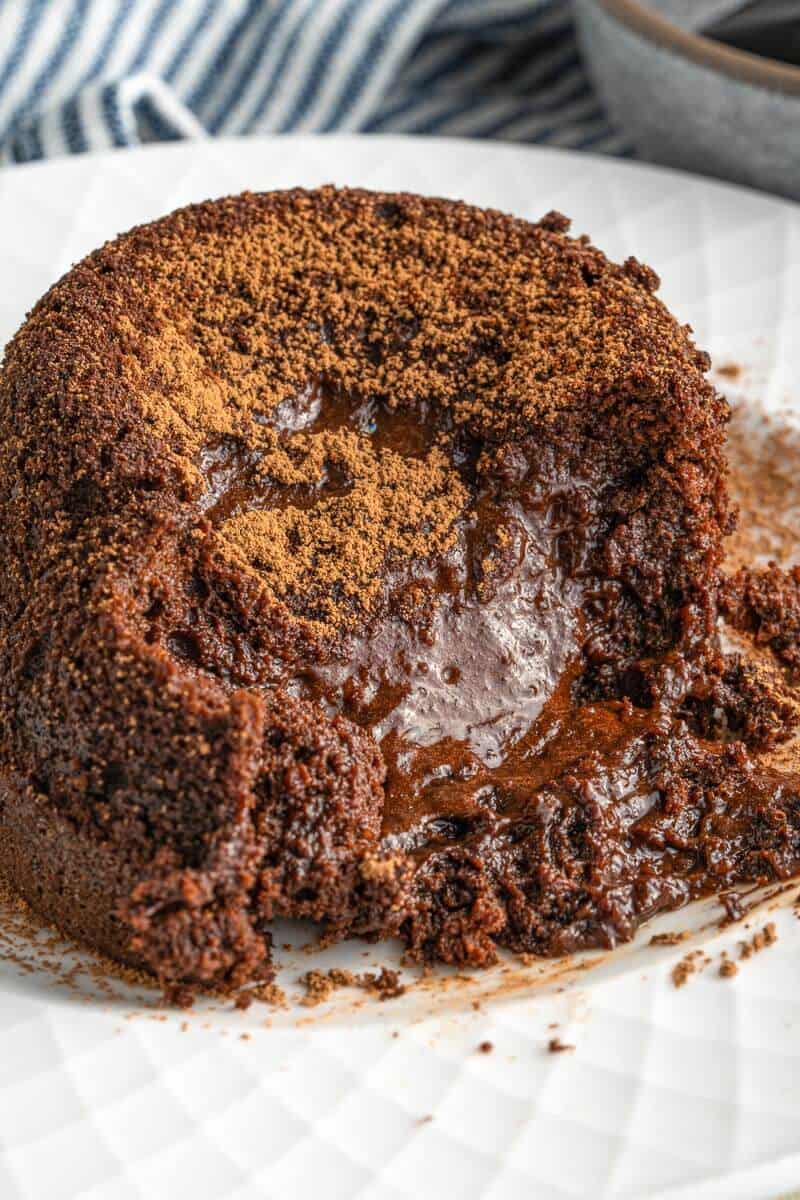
[{"x": 470, "y": 146}]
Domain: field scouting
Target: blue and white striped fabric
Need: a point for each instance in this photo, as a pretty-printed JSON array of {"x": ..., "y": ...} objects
[{"x": 80, "y": 75}]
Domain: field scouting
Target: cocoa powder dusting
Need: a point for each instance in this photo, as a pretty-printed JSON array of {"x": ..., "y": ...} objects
[
  {"x": 763, "y": 452},
  {"x": 393, "y": 508}
]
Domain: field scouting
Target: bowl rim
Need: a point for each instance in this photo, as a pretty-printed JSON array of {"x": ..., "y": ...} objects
[{"x": 739, "y": 64}]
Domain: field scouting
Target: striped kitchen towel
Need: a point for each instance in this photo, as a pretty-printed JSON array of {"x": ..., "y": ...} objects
[{"x": 81, "y": 75}]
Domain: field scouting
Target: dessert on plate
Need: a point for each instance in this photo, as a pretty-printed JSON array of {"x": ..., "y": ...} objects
[{"x": 362, "y": 563}]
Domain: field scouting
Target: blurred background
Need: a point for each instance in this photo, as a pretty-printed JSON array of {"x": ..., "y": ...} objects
[{"x": 711, "y": 85}]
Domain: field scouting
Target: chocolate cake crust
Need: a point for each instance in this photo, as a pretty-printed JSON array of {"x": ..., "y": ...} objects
[{"x": 362, "y": 556}]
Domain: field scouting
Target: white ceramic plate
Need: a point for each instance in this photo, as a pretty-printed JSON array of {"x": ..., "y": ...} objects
[{"x": 674, "y": 1093}]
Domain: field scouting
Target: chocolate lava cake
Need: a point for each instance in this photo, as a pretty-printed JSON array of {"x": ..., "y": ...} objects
[{"x": 361, "y": 560}]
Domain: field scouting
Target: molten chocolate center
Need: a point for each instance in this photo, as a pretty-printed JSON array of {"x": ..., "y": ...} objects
[{"x": 463, "y": 672}]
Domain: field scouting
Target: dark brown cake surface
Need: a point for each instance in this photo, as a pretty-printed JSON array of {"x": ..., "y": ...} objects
[{"x": 361, "y": 563}]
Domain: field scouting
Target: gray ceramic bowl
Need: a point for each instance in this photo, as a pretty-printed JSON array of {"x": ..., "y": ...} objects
[{"x": 692, "y": 102}]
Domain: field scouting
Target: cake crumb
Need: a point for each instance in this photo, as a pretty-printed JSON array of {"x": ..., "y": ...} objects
[
  {"x": 759, "y": 941},
  {"x": 694, "y": 962},
  {"x": 320, "y": 985},
  {"x": 666, "y": 939},
  {"x": 556, "y": 1046},
  {"x": 682, "y": 971}
]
